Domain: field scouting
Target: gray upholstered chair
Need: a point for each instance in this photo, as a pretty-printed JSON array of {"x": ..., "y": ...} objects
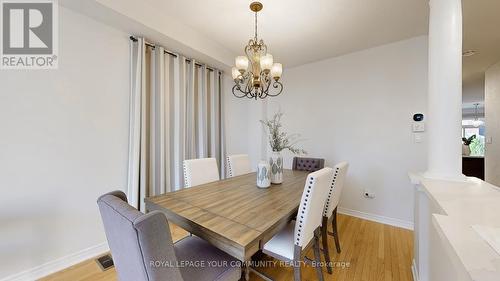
[
  {"x": 308, "y": 164},
  {"x": 143, "y": 250}
]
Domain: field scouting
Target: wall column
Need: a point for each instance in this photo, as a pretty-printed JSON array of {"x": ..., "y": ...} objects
[{"x": 444, "y": 114}]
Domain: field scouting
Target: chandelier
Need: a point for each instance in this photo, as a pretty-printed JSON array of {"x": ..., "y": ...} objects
[{"x": 255, "y": 74}]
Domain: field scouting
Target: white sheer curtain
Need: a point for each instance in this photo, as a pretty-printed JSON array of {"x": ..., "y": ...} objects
[{"x": 176, "y": 113}]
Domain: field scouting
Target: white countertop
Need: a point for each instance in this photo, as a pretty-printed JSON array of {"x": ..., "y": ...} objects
[
  {"x": 473, "y": 156},
  {"x": 464, "y": 204}
]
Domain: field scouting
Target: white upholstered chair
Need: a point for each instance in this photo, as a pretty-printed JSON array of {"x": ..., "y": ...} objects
[
  {"x": 290, "y": 243},
  {"x": 238, "y": 164},
  {"x": 200, "y": 171},
  {"x": 330, "y": 210}
]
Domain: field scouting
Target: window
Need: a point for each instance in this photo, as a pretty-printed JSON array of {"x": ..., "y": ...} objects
[
  {"x": 477, "y": 145},
  {"x": 469, "y": 132}
]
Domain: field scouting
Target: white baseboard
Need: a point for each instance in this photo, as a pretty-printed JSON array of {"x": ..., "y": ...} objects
[
  {"x": 58, "y": 264},
  {"x": 377, "y": 218},
  {"x": 414, "y": 271}
]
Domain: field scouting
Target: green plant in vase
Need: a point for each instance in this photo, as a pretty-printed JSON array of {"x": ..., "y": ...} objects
[
  {"x": 279, "y": 141},
  {"x": 465, "y": 144}
]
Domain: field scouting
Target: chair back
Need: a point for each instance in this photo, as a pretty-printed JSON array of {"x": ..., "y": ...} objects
[
  {"x": 311, "y": 206},
  {"x": 138, "y": 242},
  {"x": 308, "y": 164},
  {"x": 333, "y": 198},
  {"x": 200, "y": 171},
  {"x": 238, "y": 164}
]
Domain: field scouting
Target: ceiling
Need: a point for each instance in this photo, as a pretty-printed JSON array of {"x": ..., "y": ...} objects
[
  {"x": 299, "y": 32},
  {"x": 481, "y": 23}
]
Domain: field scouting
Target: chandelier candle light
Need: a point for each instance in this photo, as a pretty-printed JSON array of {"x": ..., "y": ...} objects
[{"x": 256, "y": 72}]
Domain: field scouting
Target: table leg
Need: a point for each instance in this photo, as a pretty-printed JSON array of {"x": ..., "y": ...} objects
[
  {"x": 260, "y": 274},
  {"x": 246, "y": 271}
]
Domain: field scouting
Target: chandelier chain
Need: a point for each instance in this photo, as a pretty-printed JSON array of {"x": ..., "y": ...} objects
[{"x": 255, "y": 26}]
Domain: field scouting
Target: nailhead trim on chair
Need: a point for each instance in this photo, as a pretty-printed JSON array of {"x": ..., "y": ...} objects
[
  {"x": 229, "y": 167},
  {"x": 186, "y": 183},
  {"x": 328, "y": 200},
  {"x": 303, "y": 207}
]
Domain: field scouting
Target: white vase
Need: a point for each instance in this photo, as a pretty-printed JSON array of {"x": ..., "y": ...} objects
[
  {"x": 276, "y": 163},
  {"x": 465, "y": 150},
  {"x": 263, "y": 175}
]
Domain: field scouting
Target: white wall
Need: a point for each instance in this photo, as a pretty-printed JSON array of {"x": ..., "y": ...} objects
[
  {"x": 359, "y": 108},
  {"x": 473, "y": 90},
  {"x": 244, "y": 134},
  {"x": 492, "y": 123},
  {"x": 237, "y": 114},
  {"x": 64, "y": 138}
]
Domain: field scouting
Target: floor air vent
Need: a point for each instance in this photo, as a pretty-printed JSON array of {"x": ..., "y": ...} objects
[{"x": 105, "y": 262}]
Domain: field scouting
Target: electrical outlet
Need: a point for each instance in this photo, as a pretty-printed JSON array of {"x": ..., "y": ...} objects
[{"x": 368, "y": 194}]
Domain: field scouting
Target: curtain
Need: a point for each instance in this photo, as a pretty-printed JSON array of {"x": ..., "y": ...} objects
[{"x": 176, "y": 113}]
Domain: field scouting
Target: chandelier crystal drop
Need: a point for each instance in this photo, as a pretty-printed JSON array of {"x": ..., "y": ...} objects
[
  {"x": 256, "y": 75},
  {"x": 476, "y": 122}
]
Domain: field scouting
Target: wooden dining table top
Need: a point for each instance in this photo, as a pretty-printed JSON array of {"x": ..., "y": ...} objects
[{"x": 234, "y": 214}]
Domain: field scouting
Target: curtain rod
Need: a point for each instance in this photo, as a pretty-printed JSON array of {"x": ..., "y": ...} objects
[{"x": 170, "y": 53}]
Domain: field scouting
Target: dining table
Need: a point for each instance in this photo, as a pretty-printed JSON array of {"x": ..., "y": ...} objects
[{"x": 233, "y": 214}]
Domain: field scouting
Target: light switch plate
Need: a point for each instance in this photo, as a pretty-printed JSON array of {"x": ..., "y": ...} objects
[{"x": 418, "y": 127}]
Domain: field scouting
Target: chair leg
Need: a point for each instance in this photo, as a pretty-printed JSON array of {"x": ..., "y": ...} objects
[
  {"x": 326, "y": 250},
  {"x": 297, "y": 254},
  {"x": 335, "y": 231},
  {"x": 246, "y": 273},
  {"x": 317, "y": 256},
  {"x": 296, "y": 272}
]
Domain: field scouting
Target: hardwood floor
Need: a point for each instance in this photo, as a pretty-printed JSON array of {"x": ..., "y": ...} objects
[{"x": 370, "y": 251}]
